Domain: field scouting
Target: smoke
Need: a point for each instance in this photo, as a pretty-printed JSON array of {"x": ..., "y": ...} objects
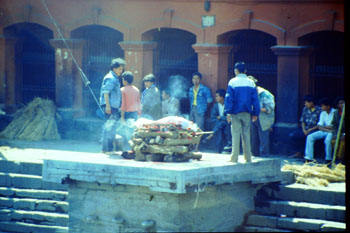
[{"x": 178, "y": 86}]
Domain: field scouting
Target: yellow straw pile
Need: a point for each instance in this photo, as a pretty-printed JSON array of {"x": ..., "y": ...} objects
[
  {"x": 315, "y": 174},
  {"x": 36, "y": 121}
]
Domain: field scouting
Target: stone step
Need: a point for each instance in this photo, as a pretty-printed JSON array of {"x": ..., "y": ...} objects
[
  {"x": 263, "y": 229},
  {"x": 35, "y": 217},
  {"x": 28, "y": 181},
  {"x": 333, "y": 194},
  {"x": 295, "y": 224},
  {"x": 34, "y": 204},
  {"x": 301, "y": 210},
  {"x": 21, "y": 167},
  {"x": 22, "y": 227},
  {"x": 33, "y": 193}
]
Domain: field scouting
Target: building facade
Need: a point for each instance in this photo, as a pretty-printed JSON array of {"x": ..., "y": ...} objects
[{"x": 54, "y": 48}]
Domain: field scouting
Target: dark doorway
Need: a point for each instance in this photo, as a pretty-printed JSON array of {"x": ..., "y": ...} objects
[
  {"x": 174, "y": 62},
  {"x": 35, "y": 61},
  {"x": 254, "y": 48},
  {"x": 102, "y": 45},
  {"x": 327, "y": 63}
]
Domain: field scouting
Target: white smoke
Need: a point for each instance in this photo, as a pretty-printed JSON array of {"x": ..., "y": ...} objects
[{"x": 178, "y": 86}]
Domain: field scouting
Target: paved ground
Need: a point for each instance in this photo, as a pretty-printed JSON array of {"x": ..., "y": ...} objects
[
  {"x": 37, "y": 150},
  {"x": 31, "y": 151}
]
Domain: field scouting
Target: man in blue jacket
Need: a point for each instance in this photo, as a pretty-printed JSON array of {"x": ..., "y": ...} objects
[
  {"x": 200, "y": 97},
  {"x": 241, "y": 106},
  {"x": 110, "y": 101}
]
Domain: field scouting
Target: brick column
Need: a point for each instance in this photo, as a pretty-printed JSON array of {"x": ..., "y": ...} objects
[
  {"x": 10, "y": 85},
  {"x": 2, "y": 70},
  {"x": 292, "y": 84},
  {"x": 139, "y": 58},
  {"x": 213, "y": 64},
  {"x": 69, "y": 85}
]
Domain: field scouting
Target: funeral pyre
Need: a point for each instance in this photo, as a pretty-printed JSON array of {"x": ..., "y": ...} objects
[{"x": 170, "y": 139}]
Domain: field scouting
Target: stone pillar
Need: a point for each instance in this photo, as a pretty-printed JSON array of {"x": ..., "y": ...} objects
[
  {"x": 69, "y": 84},
  {"x": 2, "y": 70},
  {"x": 213, "y": 64},
  {"x": 292, "y": 84},
  {"x": 139, "y": 58},
  {"x": 10, "y": 76}
]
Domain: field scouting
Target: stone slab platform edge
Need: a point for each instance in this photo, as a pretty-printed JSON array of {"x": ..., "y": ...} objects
[{"x": 161, "y": 177}]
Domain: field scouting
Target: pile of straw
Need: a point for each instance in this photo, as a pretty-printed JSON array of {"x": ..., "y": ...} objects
[
  {"x": 34, "y": 122},
  {"x": 316, "y": 175}
]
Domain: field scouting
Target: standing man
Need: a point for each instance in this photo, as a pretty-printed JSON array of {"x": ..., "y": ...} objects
[
  {"x": 200, "y": 97},
  {"x": 170, "y": 105},
  {"x": 110, "y": 100},
  {"x": 324, "y": 131},
  {"x": 150, "y": 99},
  {"x": 260, "y": 129},
  {"x": 241, "y": 106}
]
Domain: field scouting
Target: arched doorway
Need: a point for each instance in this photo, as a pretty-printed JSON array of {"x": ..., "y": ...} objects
[
  {"x": 254, "y": 48},
  {"x": 35, "y": 61},
  {"x": 102, "y": 45},
  {"x": 327, "y": 63},
  {"x": 174, "y": 62}
]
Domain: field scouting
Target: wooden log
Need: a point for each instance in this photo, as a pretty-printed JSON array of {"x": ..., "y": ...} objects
[
  {"x": 147, "y": 134},
  {"x": 176, "y": 158},
  {"x": 155, "y": 157},
  {"x": 169, "y": 150},
  {"x": 137, "y": 141},
  {"x": 174, "y": 142},
  {"x": 193, "y": 155}
]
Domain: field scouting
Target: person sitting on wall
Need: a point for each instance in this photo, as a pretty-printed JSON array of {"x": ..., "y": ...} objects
[
  {"x": 324, "y": 131},
  {"x": 221, "y": 128},
  {"x": 200, "y": 97},
  {"x": 308, "y": 119},
  {"x": 170, "y": 105},
  {"x": 150, "y": 99},
  {"x": 260, "y": 129}
]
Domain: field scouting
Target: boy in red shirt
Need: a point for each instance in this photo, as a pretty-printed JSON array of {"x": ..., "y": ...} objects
[{"x": 131, "y": 104}]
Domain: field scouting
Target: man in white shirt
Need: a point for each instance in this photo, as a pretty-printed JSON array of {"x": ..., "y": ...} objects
[
  {"x": 170, "y": 105},
  {"x": 324, "y": 132}
]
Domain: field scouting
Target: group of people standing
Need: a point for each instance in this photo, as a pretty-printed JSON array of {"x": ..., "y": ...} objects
[
  {"x": 234, "y": 115},
  {"x": 243, "y": 111}
]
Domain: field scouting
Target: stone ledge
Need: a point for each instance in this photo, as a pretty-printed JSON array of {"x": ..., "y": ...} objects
[{"x": 213, "y": 169}]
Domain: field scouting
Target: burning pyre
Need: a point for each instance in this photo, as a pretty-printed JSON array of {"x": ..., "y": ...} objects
[{"x": 170, "y": 139}]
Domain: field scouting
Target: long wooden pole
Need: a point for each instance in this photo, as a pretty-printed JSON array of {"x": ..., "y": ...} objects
[{"x": 338, "y": 135}]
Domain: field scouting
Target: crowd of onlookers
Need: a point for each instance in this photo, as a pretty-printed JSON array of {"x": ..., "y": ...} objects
[{"x": 244, "y": 111}]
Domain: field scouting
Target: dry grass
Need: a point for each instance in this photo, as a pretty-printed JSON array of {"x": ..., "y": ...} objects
[
  {"x": 34, "y": 122},
  {"x": 316, "y": 174}
]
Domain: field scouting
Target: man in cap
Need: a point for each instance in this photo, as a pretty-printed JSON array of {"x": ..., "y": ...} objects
[{"x": 150, "y": 99}]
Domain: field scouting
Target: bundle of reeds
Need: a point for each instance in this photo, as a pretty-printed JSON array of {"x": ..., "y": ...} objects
[
  {"x": 315, "y": 174},
  {"x": 36, "y": 121}
]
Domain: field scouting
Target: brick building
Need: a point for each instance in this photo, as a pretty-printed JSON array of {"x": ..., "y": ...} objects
[{"x": 293, "y": 47}]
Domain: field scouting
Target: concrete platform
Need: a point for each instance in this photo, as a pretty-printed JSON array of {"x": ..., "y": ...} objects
[{"x": 212, "y": 169}]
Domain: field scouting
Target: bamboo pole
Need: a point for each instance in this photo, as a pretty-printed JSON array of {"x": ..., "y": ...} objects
[{"x": 338, "y": 135}]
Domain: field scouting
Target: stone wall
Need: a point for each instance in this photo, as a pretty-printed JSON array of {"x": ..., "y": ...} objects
[{"x": 123, "y": 208}]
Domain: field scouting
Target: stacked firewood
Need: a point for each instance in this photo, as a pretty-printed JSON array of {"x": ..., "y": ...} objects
[{"x": 168, "y": 142}]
